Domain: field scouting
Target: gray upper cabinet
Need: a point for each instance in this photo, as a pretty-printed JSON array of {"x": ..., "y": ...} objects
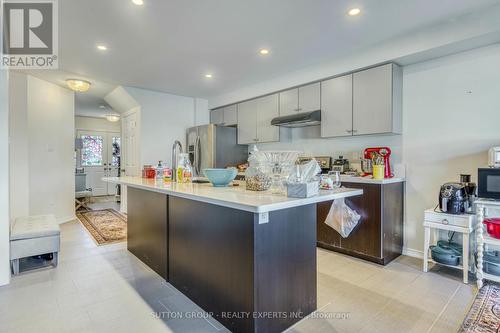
[
  {"x": 365, "y": 102},
  {"x": 377, "y": 100},
  {"x": 288, "y": 102},
  {"x": 226, "y": 116},
  {"x": 267, "y": 109},
  {"x": 247, "y": 122},
  {"x": 309, "y": 97},
  {"x": 217, "y": 116},
  {"x": 302, "y": 99},
  {"x": 231, "y": 115},
  {"x": 254, "y": 120},
  {"x": 336, "y": 106}
]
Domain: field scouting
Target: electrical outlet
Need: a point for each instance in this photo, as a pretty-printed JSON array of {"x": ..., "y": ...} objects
[{"x": 263, "y": 218}]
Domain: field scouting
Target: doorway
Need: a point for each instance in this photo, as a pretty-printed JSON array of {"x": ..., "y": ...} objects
[{"x": 99, "y": 157}]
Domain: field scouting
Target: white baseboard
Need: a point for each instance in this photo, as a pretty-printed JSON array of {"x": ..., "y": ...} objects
[
  {"x": 66, "y": 219},
  {"x": 413, "y": 253}
]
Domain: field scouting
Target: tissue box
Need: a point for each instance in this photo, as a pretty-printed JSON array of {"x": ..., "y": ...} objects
[{"x": 302, "y": 190}]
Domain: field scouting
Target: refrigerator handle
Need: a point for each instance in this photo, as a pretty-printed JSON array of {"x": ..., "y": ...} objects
[{"x": 197, "y": 157}]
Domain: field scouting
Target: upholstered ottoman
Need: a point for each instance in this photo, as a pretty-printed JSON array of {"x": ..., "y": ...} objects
[{"x": 34, "y": 235}]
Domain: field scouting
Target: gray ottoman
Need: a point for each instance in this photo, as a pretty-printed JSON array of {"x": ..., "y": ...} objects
[{"x": 32, "y": 236}]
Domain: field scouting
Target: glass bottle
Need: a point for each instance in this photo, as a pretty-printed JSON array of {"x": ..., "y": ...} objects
[{"x": 184, "y": 169}]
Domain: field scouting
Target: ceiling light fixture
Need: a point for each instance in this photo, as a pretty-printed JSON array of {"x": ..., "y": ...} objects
[
  {"x": 354, "y": 11},
  {"x": 112, "y": 117},
  {"x": 208, "y": 76},
  {"x": 78, "y": 85},
  {"x": 264, "y": 51},
  {"x": 138, "y": 2},
  {"x": 102, "y": 106},
  {"x": 102, "y": 47}
]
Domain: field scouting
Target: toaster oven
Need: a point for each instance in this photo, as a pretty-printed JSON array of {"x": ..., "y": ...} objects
[{"x": 488, "y": 184}]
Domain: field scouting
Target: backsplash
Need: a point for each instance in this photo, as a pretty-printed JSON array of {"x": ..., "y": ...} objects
[{"x": 308, "y": 141}]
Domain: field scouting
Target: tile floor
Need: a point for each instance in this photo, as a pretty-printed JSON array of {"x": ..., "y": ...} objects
[{"x": 106, "y": 289}]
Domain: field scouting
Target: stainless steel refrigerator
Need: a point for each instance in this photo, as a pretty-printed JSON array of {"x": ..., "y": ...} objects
[{"x": 211, "y": 146}]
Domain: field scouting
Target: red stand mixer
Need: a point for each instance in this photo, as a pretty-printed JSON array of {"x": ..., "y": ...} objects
[{"x": 385, "y": 152}]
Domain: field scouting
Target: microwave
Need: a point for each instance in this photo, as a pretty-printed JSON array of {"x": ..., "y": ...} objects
[{"x": 488, "y": 183}]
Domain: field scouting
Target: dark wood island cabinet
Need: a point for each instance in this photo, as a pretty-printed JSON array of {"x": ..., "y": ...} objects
[{"x": 378, "y": 237}]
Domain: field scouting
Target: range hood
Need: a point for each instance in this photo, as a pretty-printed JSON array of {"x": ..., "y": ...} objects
[{"x": 301, "y": 119}]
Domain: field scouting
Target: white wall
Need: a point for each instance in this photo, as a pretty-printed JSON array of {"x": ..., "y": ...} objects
[
  {"x": 447, "y": 131},
  {"x": 96, "y": 124},
  {"x": 4, "y": 180},
  {"x": 18, "y": 123},
  {"x": 43, "y": 139},
  {"x": 164, "y": 119},
  {"x": 444, "y": 38}
]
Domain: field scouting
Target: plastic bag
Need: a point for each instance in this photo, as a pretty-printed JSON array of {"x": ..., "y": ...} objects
[{"x": 342, "y": 218}]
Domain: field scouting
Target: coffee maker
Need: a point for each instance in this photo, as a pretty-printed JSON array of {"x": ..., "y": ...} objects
[{"x": 385, "y": 152}]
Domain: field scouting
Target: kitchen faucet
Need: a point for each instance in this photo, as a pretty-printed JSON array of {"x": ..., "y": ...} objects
[{"x": 174, "y": 158}]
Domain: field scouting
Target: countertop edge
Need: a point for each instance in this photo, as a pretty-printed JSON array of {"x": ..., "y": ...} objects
[{"x": 295, "y": 202}]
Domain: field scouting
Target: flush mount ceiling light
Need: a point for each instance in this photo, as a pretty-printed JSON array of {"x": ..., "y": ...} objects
[
  {"x": 102, "y": 47},
  {"x": 264, "y": 51},
  {"x": 354, "y": 11},
  {"x": 78, "y": 85},
  {"x": 138, "y": 2},
  {"x": 112, "y": 117},
  {"x": 102, "y": 106},
  {"x": 208, "y": 76}
]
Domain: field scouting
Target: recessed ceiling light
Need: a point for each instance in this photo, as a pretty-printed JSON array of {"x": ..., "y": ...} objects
[
  {"x": 102, "y": 47},
  {"x": 354, "y": 11},
  {"x": 102, "y": 106},
  {"x": 78, "y": 85},
  {"x": 138, "y": 2},
  {"x": 208, "y": 76},
  {"x": 264, "y": 51}
]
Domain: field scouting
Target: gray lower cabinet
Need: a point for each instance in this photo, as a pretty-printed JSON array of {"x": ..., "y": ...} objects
[
  {"x": 365, "y": 102},
  {"x": 254, "y": 120}
]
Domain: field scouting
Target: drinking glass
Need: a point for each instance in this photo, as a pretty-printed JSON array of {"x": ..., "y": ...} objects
[{"x": 335, "y": 177}]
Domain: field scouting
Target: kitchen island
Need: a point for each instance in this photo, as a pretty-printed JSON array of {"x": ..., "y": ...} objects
[{"x": 247, "y": 258}]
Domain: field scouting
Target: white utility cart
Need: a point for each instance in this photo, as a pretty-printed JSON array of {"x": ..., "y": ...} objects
[{"x": 462, "y": 223}]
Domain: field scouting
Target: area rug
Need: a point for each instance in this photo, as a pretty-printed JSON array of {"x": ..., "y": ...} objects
[
  {"x": 484, "y": 315},
  {"x": 106, "y": 226}
]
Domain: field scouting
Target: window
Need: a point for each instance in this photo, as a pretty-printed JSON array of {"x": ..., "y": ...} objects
[
  {"x": 92, "y": 151},
  {"x": 116, "y": 142}
]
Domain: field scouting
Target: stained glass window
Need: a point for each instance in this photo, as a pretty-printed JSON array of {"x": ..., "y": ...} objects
[
  {"x": 92, "y": 150},
  {"x": 116, "y": 150}
]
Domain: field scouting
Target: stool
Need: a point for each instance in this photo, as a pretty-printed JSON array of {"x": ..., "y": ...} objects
[{"x": 34, "y": 235}]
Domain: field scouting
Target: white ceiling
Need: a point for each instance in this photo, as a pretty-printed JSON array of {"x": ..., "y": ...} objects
[
  {"x": 169, "y": 45},
  {"x": 86, "y": 104}
]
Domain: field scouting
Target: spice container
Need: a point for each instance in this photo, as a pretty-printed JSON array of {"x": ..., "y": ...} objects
[{"x": 167, "y": 175}]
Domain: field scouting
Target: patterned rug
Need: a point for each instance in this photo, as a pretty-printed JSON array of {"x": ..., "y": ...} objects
[
  {"x": 105, "y": 226},
  {"x": 484, "y": 315}
]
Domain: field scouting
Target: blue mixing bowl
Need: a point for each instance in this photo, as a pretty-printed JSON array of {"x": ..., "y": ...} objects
[{"x": 220, "y": 177}]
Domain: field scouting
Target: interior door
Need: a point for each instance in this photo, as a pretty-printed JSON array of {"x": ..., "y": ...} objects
[
  {"x": 93, "y": 158},
  {"x": 114, "y": 152}
]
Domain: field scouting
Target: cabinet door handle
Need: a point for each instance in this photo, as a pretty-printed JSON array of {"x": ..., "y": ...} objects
[
  {"x": 348, "y": 131},
  {"x": 445, "y": 221},
  {"x": 355, "y": 131},
  {"x": 256, "y": 140}
]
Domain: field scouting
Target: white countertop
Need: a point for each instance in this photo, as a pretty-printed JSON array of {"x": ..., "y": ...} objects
[
  {"x": 370, "y": 180},
  {"x": 233, "y": 196}
]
